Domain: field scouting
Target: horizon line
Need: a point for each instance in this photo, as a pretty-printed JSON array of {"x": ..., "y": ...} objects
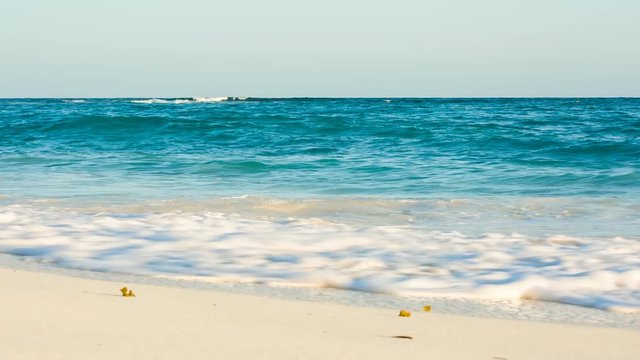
[{"x": 328, "y": 97}]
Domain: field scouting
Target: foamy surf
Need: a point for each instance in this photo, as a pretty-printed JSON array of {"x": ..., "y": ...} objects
[{"x": 401, "y": 260}]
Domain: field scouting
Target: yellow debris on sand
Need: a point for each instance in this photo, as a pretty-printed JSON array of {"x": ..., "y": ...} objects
[
  {"x": 404, "y": 313},
  {"x": 127, "y": 292},
  {"x": 426, "y": 308}
]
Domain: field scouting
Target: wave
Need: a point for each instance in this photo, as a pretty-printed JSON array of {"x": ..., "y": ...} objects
[
  {"x": 405, "y": 260},
  {"x": 219, "y": 99},
  {"x": 161, "y": 101},
  {"x": 191, "y": 100},
  {"x": 95, "y": 125}
]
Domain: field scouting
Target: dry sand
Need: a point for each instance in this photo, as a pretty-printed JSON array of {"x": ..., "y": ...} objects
[{"x": 48, "y": 316}]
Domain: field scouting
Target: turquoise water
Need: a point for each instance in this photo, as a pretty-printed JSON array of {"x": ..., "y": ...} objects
[
  {"x": 417, "y": 193},
  {"x": 400, "y": 148}
]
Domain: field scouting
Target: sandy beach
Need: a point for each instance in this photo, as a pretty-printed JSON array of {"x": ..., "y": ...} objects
[
  {"x": 49, "y": 316},
  {"x": 335, "y": 180}
]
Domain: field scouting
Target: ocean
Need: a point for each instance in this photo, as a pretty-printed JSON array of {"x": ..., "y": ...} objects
[{"x": 526, "y": 199}]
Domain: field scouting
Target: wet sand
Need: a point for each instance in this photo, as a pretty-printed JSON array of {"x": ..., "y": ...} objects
[{"x": 50, "y": 316}]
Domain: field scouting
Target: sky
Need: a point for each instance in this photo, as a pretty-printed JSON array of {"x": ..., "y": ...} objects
[{"x": 332, "y": 48}]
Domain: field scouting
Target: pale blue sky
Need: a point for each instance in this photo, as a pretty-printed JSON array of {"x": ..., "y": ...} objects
[{"x": 144, "y": 48}]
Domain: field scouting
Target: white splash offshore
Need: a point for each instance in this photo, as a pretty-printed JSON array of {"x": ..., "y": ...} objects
[
  {"x": 403, "y": 260},
  {"x": 192, "y": 100}
]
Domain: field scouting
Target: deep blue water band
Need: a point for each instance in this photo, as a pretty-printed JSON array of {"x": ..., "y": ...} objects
[{"x": 399, "y": 148}]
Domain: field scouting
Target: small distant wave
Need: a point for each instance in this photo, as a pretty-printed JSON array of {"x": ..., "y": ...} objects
[
  {"x": 160, "y": 101},
  {"x": 191, "y": 100},
  {"x": 219, "y": 99},
  {"x": 73, "y": 100}
]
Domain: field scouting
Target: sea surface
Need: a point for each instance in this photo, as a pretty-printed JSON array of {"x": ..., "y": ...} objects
[{"x": 534, "y": 199}]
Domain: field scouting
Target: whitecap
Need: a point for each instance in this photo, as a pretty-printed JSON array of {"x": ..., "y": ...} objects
[
  {"x": 150, "y": 101},
  {"x": 191, "y": 100}
]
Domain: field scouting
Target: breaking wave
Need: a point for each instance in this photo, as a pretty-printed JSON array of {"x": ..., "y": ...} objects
[
  {"x": 191, "y": 100},
  {"x": 212, "y": 246}
]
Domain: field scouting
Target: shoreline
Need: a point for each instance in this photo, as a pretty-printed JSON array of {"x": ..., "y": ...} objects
[
  {"x": 409, "y": 261},
  {"x": 46, "y": 315},
  {"x": 502, "y": 309}
]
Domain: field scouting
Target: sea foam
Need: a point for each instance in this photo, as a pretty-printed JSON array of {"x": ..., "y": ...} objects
[{"x": 403, "y": 260}]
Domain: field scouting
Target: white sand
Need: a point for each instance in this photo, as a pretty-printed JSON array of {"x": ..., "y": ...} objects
[{"x": 47, "y": 316}]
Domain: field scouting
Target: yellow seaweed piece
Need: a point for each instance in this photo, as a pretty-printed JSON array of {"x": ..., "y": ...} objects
[
  {"x": 426, "y": 308},
  {"x": 127, "y": 292},
  {"x": 404, "y": 313}
]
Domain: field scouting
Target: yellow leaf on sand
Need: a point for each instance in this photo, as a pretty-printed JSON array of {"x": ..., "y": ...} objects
[
  {"x": 427, "y": 308},
  {"x": 404, "y": 313},
  {"x": 127, "y": 292}
]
